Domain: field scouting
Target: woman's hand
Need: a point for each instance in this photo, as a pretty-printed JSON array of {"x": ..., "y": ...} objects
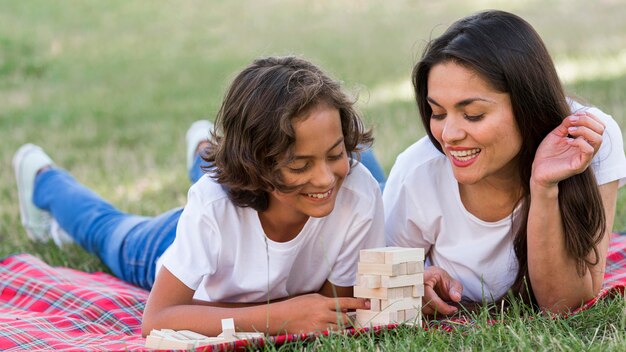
[
  {"x": 567, "y": 150},
  {"x": 439, "y": 288},
  {"x": 314, "y": 312}
]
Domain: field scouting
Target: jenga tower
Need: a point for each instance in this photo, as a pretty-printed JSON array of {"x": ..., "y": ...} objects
[{"x": 393, "y": 279}]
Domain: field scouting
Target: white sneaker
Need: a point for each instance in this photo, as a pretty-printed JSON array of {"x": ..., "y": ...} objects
[
  {"x": 27, "y": 161},
  {"x": 59, "y": 236},
  {"x": 197, "y": 133}
]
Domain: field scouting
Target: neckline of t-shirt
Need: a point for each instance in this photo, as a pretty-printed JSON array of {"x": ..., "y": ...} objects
[
  {"x": 283, "y": 246},
  {"x": 457, "y": 195}
]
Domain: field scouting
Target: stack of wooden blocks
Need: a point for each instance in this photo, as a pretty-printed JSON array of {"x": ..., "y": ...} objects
[{"x": 393, "y": 279}]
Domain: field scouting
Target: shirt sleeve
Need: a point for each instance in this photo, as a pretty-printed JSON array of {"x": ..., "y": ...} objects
[
  {"x": 609, "y": 164},
  {"x": 195, "y": 251}
]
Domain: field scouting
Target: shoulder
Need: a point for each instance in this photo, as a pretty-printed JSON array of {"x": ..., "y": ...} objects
[
  {"x": 360, "y": 182},
  {"x": 207, "y": 191},
  {"x": 422, "y": 159}
]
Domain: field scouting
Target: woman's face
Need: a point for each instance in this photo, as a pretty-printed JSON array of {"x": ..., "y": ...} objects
[{"x": 474, "y": 124}]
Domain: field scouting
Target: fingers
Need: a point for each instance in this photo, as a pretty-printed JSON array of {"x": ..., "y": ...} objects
[
  {"x": 587, "y": 126},
  {"x": 455, "y": 290},
  {"x": 348, "y": 303},
  {"x": 433, "y": 304}
]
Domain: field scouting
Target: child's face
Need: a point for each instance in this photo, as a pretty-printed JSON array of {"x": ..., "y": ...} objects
[{"x": 319, "y": 167}]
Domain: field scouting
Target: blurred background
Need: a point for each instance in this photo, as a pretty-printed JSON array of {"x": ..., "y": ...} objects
[{"x": 108, "y": 88}]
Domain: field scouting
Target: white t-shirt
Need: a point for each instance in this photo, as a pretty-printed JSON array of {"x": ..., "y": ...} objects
[
  {"x": 220, "y": 248},
  {"x": 423, "y": 208}
]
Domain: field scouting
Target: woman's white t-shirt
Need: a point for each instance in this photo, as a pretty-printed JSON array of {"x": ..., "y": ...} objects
[
  {"x": 221, "y": 250},
  {"x": 423, "y": 208}
]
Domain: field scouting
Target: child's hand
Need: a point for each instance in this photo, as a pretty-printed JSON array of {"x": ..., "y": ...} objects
[
  {"x": 568, "y": 149},
  {"x": 440, "y": 287},
  {"x": 314, "y": 312}
]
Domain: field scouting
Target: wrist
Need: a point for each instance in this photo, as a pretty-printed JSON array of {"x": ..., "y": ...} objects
[{"x": 543, "y": 189}]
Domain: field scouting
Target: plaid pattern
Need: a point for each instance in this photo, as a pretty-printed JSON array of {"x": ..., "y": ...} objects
[{"x": 55, "y": 308}]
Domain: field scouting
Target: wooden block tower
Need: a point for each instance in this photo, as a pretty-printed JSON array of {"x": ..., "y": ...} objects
[{"x": 393, "y": 279}]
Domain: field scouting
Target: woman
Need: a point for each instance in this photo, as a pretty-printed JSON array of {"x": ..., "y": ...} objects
[{"x": 515, "y": 186}]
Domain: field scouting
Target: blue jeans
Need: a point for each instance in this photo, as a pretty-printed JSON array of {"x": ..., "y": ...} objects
[{"x": 128, "y": 244}]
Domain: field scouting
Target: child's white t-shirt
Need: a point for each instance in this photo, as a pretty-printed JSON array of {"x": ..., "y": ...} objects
[
  {"x": 423, "y": 208},
  {"x": 220, "y": 248}
]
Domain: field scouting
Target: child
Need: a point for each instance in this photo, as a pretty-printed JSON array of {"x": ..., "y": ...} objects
[
  {"x": 510, "y": 190},
  {"x": 270, "y": 236}
]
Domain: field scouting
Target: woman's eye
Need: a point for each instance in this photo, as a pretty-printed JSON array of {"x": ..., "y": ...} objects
[
  {"x": 437, "y": 116},
  {"x": 474, "y": 118}
]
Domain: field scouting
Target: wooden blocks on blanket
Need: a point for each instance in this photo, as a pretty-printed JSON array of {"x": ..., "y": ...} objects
[
  {"x": 186, "y": 339},
  {"x": 393, "y": 280}
]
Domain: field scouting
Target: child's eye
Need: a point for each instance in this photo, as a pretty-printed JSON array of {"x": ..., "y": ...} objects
[
  {"x": 336, "y": 156},
  {"x": 297, "y": 169},
  {"x": 473, "y": 118}
]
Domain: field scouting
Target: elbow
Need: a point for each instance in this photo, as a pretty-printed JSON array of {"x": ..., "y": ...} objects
[
  {"x": 564, "y": 305},
  {"x": 146, "y": 328}
]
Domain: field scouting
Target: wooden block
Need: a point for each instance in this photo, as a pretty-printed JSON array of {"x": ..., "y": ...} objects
[
  {"x": 379, "y": 269},
  {"x": 407, "y": 291},
  {"x": 372, "y": 255},
  {"x": 228, "y": 329},
  {"x": 369, "y": 281},
  {"x": 418, "y": 291},
  {"x": 375, "y": 304},
  {"x": 402, "y": 269},
  {"x": 395, "y": 255},
  {"x": 415, "y": 267},
  {"x": 249, "y": 335},
  {"x": 401, "y": 280},
  {"x": 184, "y": 339},
  {"x": 413, "y": 316},
  {"x": 381, "y": 293},
  {"x": 367, "y": 318},
  {"x": 401, "y": 304}
]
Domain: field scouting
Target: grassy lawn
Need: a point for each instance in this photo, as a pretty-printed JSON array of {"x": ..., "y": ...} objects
[{"x": 109, "y": 89}]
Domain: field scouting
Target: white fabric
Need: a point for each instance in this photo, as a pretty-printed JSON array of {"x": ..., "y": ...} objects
[
  {"x": 423, "y": 208},
  {"x": 220, "y": 248}
]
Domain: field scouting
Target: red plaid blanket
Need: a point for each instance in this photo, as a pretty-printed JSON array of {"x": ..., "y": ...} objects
[{"x": 43, "y": 307}]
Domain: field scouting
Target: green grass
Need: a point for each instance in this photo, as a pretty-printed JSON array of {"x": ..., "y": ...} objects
[{"x": 109, "y": 89}]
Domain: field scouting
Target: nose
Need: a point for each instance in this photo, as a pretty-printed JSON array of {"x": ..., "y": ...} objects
[
  {"x": 323, "y": 176},
  {"x": 453, "y": 130}
]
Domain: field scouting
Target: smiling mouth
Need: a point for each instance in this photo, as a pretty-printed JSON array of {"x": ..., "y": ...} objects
[
  {"x": 323, "y": 195},
  {"x": 465, "y": 155}
]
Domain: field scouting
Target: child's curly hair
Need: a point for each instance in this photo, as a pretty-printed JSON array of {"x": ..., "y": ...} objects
[{"x": 254, "y": 133}]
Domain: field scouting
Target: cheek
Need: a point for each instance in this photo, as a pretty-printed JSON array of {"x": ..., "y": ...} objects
[
  {"x": 436, "y": 128},
  {"x": 343, "y": 168}
]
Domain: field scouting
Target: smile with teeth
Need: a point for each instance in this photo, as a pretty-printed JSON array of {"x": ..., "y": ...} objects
[
  {"x": 319, "y": 195},
  {"x": 465, "y": 155}
]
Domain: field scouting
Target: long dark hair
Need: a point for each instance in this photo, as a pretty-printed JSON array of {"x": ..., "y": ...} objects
[
  {"x": 254, "y": 136},
  {"x": 509, "y": 54}
]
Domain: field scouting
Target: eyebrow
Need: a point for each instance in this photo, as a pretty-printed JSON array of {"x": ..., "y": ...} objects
[
  {"x": 339, "y": 141},
  {"x": 462, "y": 103}
]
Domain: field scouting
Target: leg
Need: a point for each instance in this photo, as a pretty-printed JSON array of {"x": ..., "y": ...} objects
[
  {"x": 196, "y": 137},
  {"x": 128, "y": 244}
]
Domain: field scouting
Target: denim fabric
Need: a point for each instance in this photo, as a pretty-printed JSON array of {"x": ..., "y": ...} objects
[
  {"x": 368, "y": 159},
  {"x": 128, "y": 244}
]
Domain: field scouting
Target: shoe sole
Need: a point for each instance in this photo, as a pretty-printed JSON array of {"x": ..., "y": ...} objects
[{"x": 18, "y": 158}]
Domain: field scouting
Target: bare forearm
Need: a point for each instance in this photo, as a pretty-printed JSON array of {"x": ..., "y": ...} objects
[
  {"x": 556, "y": 283},
  {"x": 206, "y": 319}
]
